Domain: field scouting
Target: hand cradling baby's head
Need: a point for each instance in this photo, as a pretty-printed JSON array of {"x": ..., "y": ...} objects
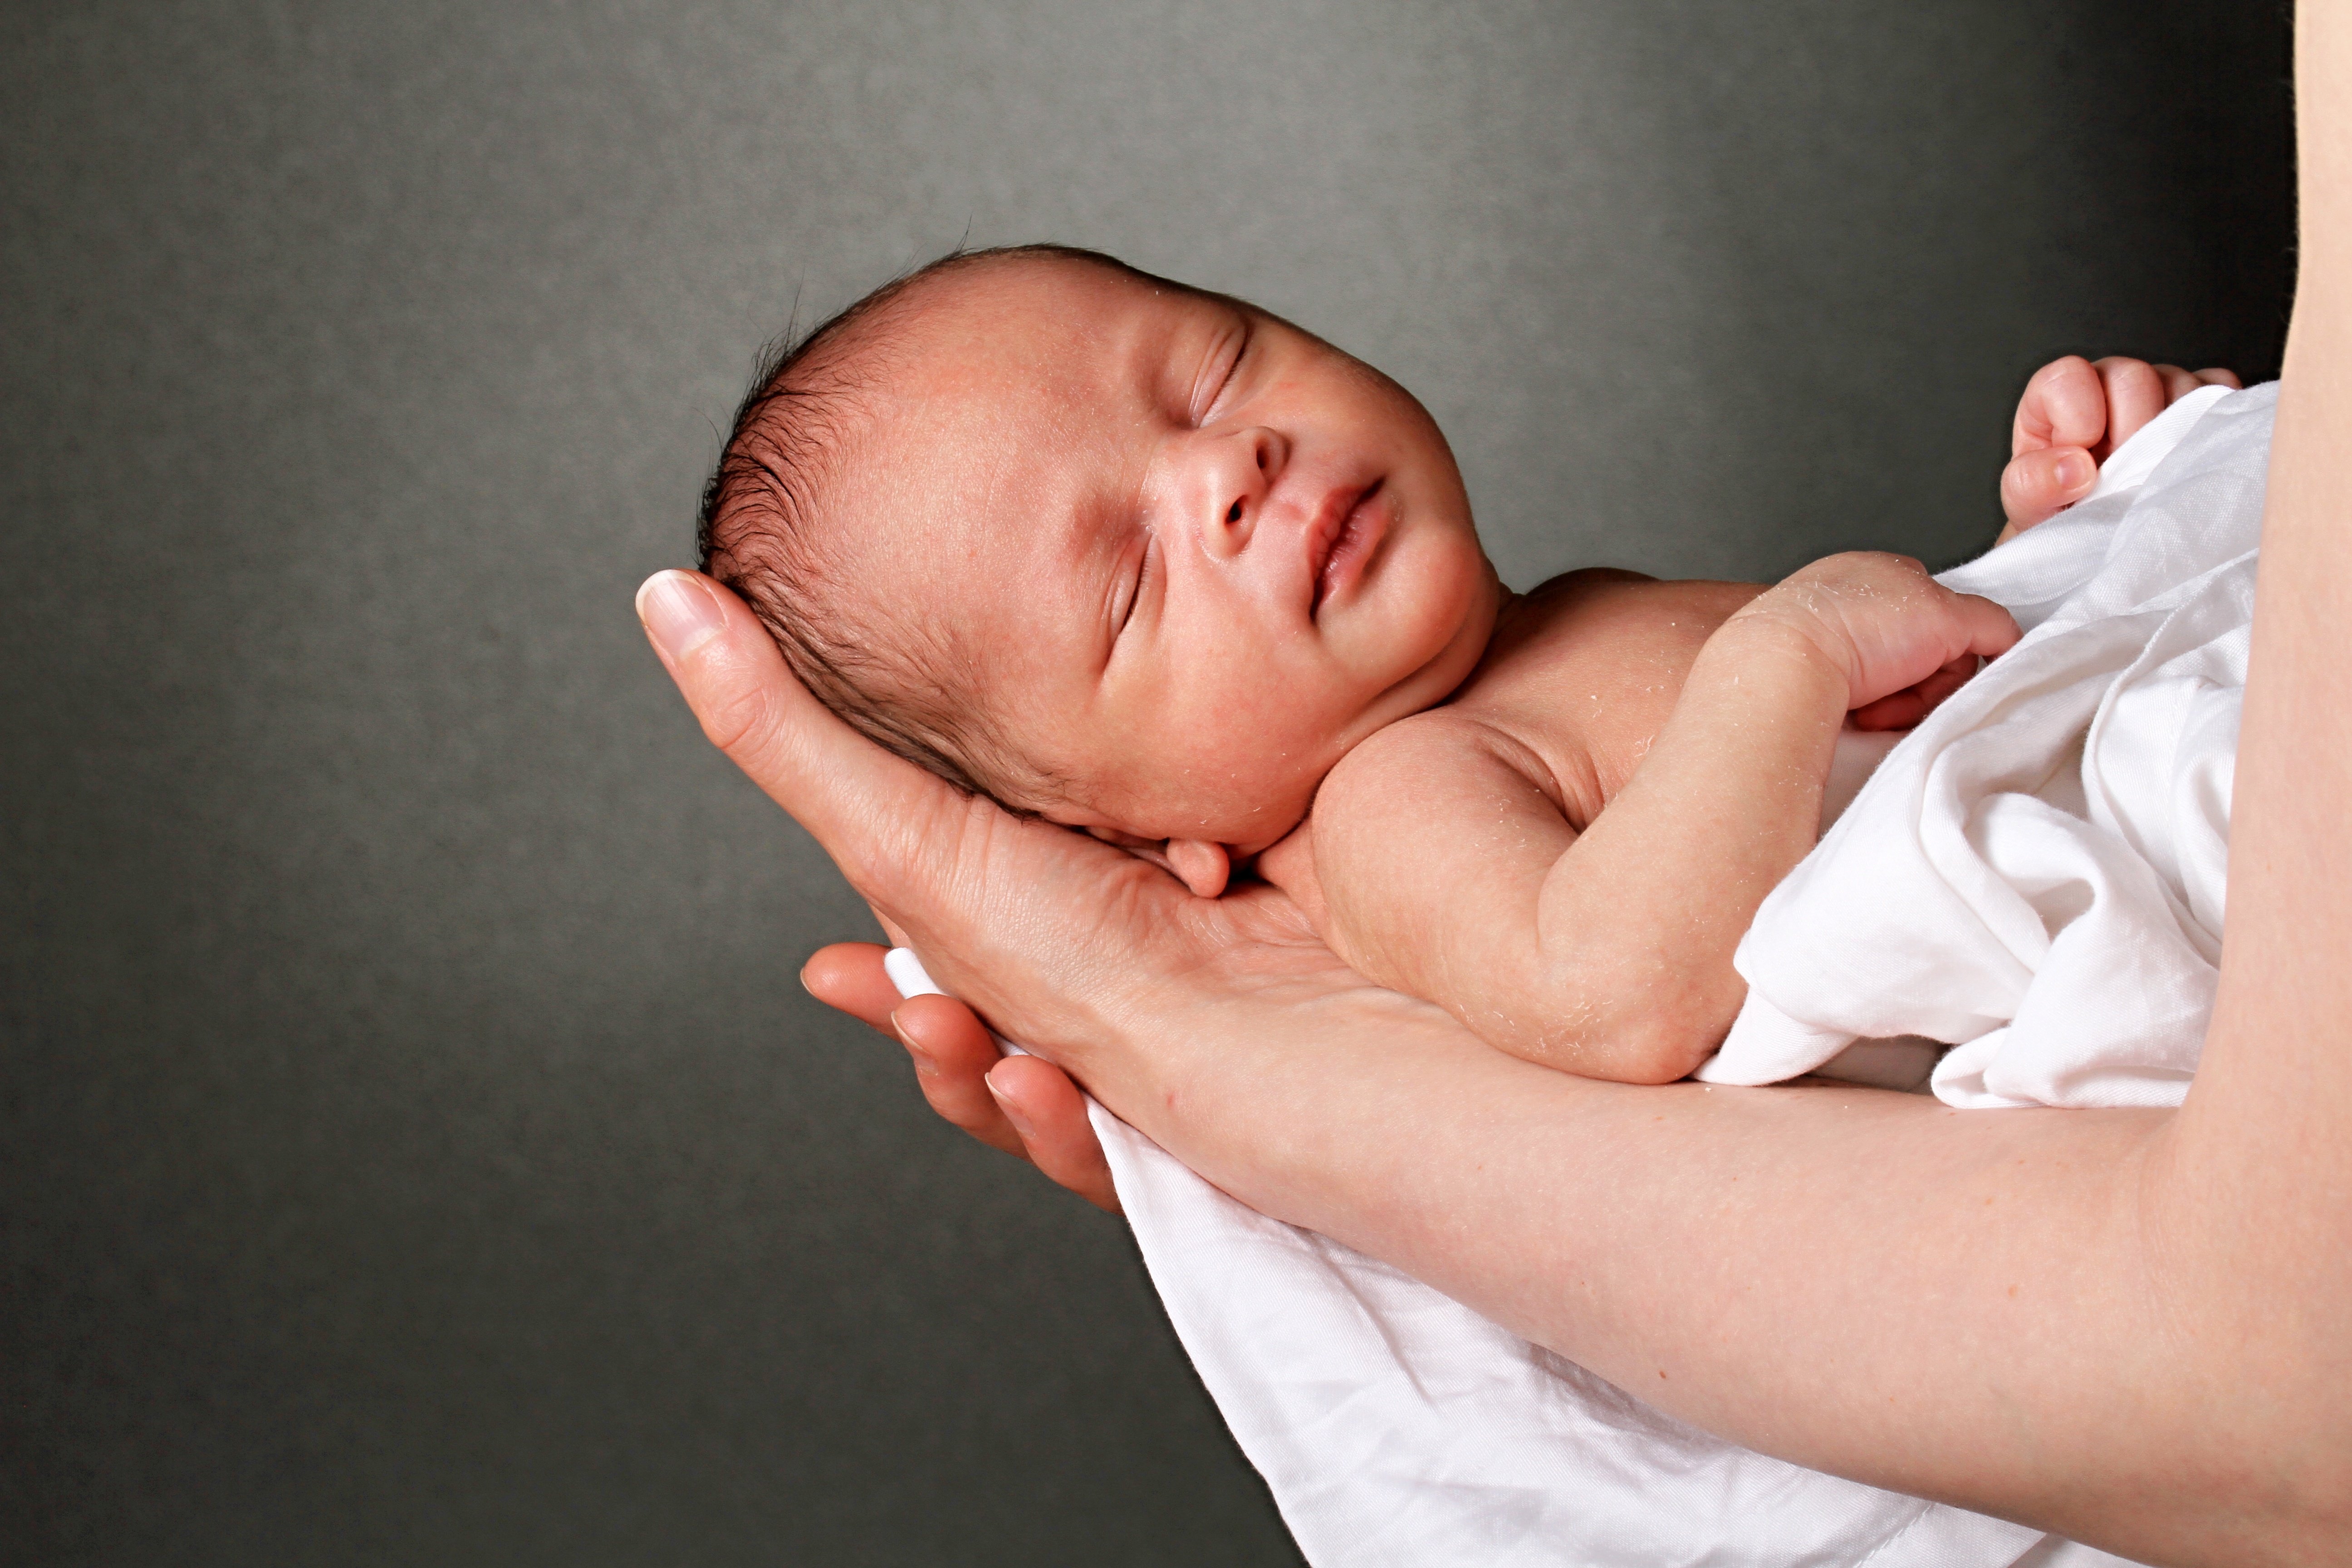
[{"x": 1133, "y": 556}]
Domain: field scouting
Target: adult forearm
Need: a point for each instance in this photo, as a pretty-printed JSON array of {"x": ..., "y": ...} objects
[
  {"x": 2255, "y": 1188},
  {"x": 1980, "y": 1320}
]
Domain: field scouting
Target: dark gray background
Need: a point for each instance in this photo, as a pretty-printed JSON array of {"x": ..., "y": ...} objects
[{"x": 415, "y": 1146}]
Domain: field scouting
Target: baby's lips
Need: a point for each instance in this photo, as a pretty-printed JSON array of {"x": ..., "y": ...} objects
[{"x": 1341, "y": 546}]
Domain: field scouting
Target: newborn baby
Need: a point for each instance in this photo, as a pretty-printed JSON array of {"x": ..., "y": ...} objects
[{"x": 1154, "y": 564}]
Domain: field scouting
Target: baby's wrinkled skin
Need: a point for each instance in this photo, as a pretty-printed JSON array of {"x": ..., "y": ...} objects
[{"x": 1224, "y": 574}]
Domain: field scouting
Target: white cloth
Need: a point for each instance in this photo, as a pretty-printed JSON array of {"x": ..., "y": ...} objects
[
  {"x": 1397, "y": 1428},
  {"x": 2036, "y": 871},
  {"x": 2035, "y": 875}
]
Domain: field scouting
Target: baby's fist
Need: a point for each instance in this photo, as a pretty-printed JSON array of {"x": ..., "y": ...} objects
[
  {"x": 2076, "y": 414},
  {"x": 1903, "y": 641}
]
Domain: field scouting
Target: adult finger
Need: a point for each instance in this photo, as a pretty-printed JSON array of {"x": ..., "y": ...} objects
[
  {"x": 2064, "y": 405},
  {"x": 953, "y": 1053},
  {"x": 872, "y": 811},
  {"x": 2216, "y": 377},
  {"x": 1021, "y": 1105},
  {"x": 951, "y": 1049},
  {"x": 2036, "y": 485},
  {"x": 2136, "y": 395},
  {"x": 849, "y": 976},
  {"x": 1050, "y": 1114}
]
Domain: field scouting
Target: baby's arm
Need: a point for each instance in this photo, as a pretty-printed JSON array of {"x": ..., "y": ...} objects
[{"x": 1447, "y": 868}]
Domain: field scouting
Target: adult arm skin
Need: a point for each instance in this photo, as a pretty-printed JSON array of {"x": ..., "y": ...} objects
[{"x": 2131, "y": 1326}]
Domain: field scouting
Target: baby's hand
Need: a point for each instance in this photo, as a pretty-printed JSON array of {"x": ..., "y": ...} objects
[
  {"x": 2073, "y": 416},
  {"x": 1902, "y": 640}
]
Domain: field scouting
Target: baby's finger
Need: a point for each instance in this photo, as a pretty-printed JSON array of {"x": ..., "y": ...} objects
[
  {"x": 1046, "y": 1109},
  {"x": 2066, "y": 404},
  {"x": 2037, "y": 485},
  {"x": 848, "y": 975},
  {"x": 1985, "y": 630},
  {"x": 1896, "y": 710},
  {"x": 2136, "y": 395},
  {"x": 1901, "y": 710},
  {"x": 952, "y": 1055},
  {"x": 2216, "y": 377},
  {"x": 1945, "y": 681},
  {"x": 2178, "y": 383}
]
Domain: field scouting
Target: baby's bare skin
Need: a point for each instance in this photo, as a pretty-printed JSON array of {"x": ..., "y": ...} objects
[
  {"x": 1213, "y": 574},
  {"x": 1565, "y": 856},
  {"x": 1423, "y": 861},
  {"x": 1463, "y": 855}
]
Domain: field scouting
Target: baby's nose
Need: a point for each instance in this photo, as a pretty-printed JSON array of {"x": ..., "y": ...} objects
[{"x": 1242, "y": 469}]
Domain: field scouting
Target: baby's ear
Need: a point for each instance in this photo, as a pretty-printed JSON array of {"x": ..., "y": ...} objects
[{"x": 1200, "y": 866}]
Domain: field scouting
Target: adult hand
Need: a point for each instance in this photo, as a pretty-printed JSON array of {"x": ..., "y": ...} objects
[
  {"x": 1025, "y": 1106},
  {"x": 2100, "y": 1294},
  {"x": 983, "y": 895}
]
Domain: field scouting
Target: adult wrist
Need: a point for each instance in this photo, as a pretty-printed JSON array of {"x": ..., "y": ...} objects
[{"x": 1280, "y": 1097}]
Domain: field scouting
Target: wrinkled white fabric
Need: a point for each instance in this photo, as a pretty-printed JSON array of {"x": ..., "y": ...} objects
[
  {"x": 1397, "y": 1428},
  {"x": 2035, "y": 875}
]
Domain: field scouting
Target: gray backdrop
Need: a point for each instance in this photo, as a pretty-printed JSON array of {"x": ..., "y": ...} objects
[{"x": 415, "y": 1146}]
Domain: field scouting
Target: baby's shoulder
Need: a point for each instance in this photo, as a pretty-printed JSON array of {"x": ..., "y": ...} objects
[
  {"x": 1440, "y": 759},
  {"x": 1601, "y": 621},
  {"x": 1597, "y": 654},
  {"x": 1579, "y": 679}
]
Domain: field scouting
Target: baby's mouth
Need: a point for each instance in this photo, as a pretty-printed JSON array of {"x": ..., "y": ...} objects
[{"x": 1346, "y": 541}]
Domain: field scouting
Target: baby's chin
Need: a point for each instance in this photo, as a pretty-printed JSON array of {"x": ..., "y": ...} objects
[{"x": 1254, "y": 804}]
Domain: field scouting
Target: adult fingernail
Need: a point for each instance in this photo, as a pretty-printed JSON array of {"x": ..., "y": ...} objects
[
  {"x": 2076, "y": 469},
  {"x": 1020, "y": 1122},
  {"x": 678, "y": 612},
  {"x": 923, "y": 1062}
]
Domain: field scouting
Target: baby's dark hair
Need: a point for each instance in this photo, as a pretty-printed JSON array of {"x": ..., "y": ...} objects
[{"x": 906, "y": 687}]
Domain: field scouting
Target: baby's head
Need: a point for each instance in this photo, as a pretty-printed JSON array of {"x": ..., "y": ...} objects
[{"x": 1124, "y": 554}]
